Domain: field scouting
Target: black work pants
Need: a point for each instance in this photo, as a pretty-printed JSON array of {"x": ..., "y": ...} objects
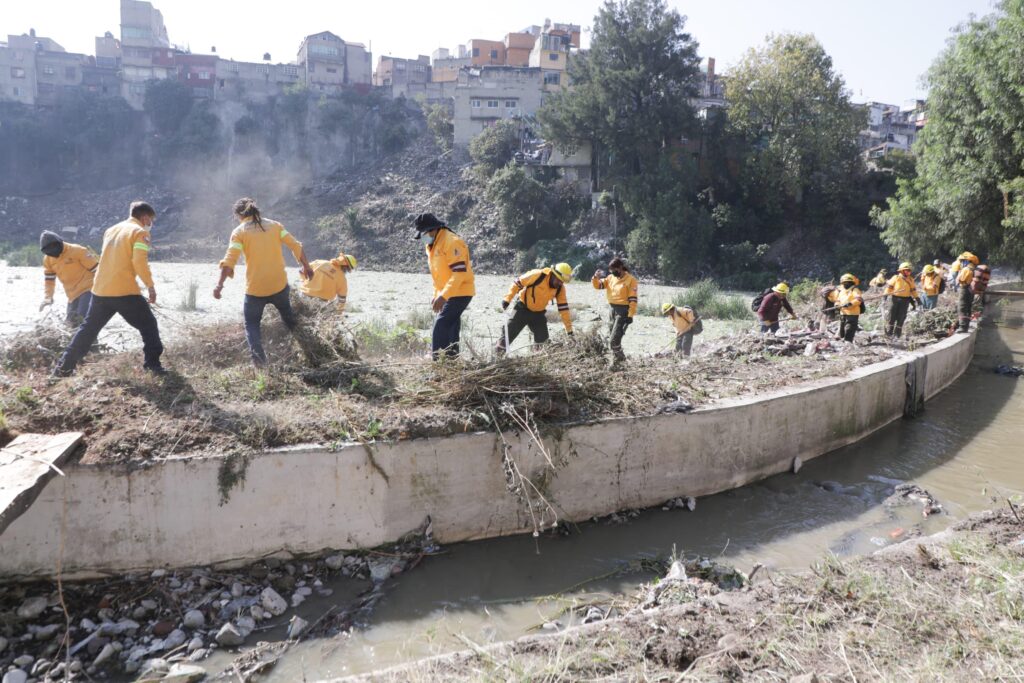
[
  {"x": 136, "y": 312},
  {"x": 521, "y": 319},
  {"x": 78, "y": 308},
  {"x": 898, "y": 307},
  {"x": 848, "y": 326},
  {"x": 444, "y": 339},
  {"x": 965, "y": 307},
  {"x": 252, "y": 313},
  {"x": 618, "y": 323},
  {"x": 684, "y": 342}
]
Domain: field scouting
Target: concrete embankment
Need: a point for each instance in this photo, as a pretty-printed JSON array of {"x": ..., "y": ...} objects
[{"x": 200, "y": 511}]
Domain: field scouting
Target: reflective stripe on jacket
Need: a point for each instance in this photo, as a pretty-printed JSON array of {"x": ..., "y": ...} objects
[
  {"x": 75, "y": 268},
  {"x": 534, "y": 289},
  {"x": 328, "y": 282},
  {"x": 450, "y": 266},
  {"x": 264, "y": 261},
  {"x": 125, "y": 256},
  {"x": 901, "y": 286},
  {"x": 930, "y": 283},
  {"x": 621, "y": 291},
  {"x": 850, "y": 301}
]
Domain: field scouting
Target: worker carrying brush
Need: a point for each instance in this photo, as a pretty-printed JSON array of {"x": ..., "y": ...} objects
[
  {"x": 115, "y": 291},
  {"x": 902, "y": 294},
  {"x": 72, "y": 264},
  {"x": 771, "y": 306},
  {"x": 261, "y": 240},
  {"x": 687, "y": 324},
  {"x": 532, "y": 292},
  {"x": 850, "y": 304},
  {"x": 329, "y": 281},
  {"x": 621, "y": 289},
  {"x": 454, "y": 285}
]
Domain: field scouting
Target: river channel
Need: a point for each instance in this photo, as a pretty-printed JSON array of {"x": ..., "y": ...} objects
[{"x": 966, "y": 449}]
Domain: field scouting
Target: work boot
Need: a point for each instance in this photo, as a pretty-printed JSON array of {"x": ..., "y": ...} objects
[{"x": 158, "y": 370}]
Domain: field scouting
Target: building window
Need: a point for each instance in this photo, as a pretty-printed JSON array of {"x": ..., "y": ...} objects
[
  {"x": 69, "y": 72},
  {"x": 510, "y": 104},
  {"x": 494, "y": 54},
  {"x": 552, "y": 78},
  {"x": 291, "y": 71},
  {"x": 17, "y": 72},
  {"x": 475, "y": 104},
  {"x": 48, "y": 70},
  {"x": 16, "y": 91},
  {"x": 553, "y": 56},
  {"x": 263, "y": 69},
  {"x": 137, "y": 89},
  {"x": 45, "y": 88},
  {"x": 204, "y": 75},
  {"x": 492, "y": 104},
  {"x": 325, "y": 50},
  {"x": 135, "y": 32},
  {"x": 476, "y": 52},
  {"x": 331, "y": 70}
]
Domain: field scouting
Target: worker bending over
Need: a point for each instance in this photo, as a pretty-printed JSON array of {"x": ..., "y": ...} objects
[
  {"x": 880, "y": 279},
  {"x": 533, "y": 291},
  {"x": 329, "y": 281},
  {"x": 772, "y": 305},
  {"x": 621, "y": 289},
  {"x": 260, "y": 240},
  {"x": 687, "y": 324},
  {"x": 902, "y": 293},
  {"x": 72, "y": 264},
  {"x": 115, "y": 291}
]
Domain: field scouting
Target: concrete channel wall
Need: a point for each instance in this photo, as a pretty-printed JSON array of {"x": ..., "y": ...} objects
[{"x": 307, "y": 499}]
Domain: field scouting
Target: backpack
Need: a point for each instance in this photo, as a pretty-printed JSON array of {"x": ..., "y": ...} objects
[
  {"x": 698, "y": 325},
  {"x": 756, "y": 303},
  {"x": 942, "y": 285}
]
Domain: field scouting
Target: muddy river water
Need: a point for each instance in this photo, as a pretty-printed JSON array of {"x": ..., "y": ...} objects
[{"x": 967, "y": 448}]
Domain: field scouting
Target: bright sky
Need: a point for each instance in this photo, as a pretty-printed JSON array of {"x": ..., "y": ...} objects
[{"x": 882, "y": 47}]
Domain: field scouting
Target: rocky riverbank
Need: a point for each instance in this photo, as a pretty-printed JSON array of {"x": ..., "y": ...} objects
[{"x": 944, "y": 607}]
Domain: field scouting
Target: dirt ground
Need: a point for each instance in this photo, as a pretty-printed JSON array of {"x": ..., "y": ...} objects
[
  {"x": 366, "y": 376},
  {"x": 947, "y": 607}
]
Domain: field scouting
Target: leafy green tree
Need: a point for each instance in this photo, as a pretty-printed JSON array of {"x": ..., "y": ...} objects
[
  {"x": 629, "y": 93},
  {"x": 439, "y": 122},
  {"x": 969, "y": 188},
  {"x": 792, "y": 110},
  {"x": 167, "y": 102},
  {"x": 494, "y": 147},
  {"x": 522, "y": 202}
]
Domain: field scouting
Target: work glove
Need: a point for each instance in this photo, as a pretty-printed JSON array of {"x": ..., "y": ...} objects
[
  {"x": 504, "y": 305},
  {"x": 568, "y": 333},
  {"x": 46, "y": 302}
]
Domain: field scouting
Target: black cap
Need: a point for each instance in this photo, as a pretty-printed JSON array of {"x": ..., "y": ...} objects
[
  {"x": 50, "y": 243},
  {"x": 425, "y": 222}
]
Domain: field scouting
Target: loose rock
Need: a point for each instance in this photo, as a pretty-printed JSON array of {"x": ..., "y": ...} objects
[
  {"x": 32, "y": 608},
  {"x": 229, "y": 636},
  {"x": 24, "y": 661},
  {"x": 194, "y": 619},
  {"x": 334, "y": 562},
  {"x": 106, "y": 653},
  {"x": 16, "y": 676},
  {"x": 273, "y": 602}
]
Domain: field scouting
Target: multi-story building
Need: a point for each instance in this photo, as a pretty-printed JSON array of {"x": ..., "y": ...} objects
[
  {"x": 486, "y": 94},
  {"x": 146, "y": 52},
  {"x": 329, "y": 64},
  {"x": 251, "y": 80},
  {"x": 18, "y": 66},
  {"x": 445, "y": 66},
  {"x": 198, "y": 73},
  {"x": 395, "y": 71},
  {"x": 58, "y": 72},
  {"x": 486, "y": 52},
  {"x": 890, "y": 128},
  {"x": 711, "y": 93},
  {"x": 518, "y": 47}
]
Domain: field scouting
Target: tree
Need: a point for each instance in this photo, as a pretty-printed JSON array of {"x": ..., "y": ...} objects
[
  {"x": 791, "y": 108},
  {"x": 495, "y": 146},
  {"x": 167, "y": 102},
  {"x": 439, "y": 122},
  {"x": 969, "y": 188},
  {"x": 522, "y": 203},
  {"x": 629, "y": 93}
]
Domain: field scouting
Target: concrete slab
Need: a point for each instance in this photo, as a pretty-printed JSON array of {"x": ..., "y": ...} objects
[{"x": 26, "y": 465}]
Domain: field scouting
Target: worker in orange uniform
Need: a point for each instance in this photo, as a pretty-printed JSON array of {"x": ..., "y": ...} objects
[
  {"x": 72, "y": 264},
  {"x": 964, "y": 269},
  {"x": 532, "y": 292},
  {"x": 902, "y": 294},
  {"x": 266, "y": 282},
  {"x": 687, "y": 324},
  {"x": 454, "y": 287},
  {"x": 931, "y": 287},
  {"x": 329, "y": 281},
  {"x": 850, "y": 303},
  {"x": 115, "y": 290},
  {"x": 621, "y": 289}
]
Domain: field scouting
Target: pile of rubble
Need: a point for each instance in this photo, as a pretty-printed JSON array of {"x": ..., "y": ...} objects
[{"x": 160, "y": 625}]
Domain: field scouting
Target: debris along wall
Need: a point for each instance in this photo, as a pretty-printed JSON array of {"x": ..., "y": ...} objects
[{"x": 197, "y": 511}]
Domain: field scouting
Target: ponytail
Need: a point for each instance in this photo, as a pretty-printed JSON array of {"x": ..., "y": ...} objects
[{"x": 246, "y": 208}]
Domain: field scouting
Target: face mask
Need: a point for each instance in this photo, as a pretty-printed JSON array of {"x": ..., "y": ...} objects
[{"x": 847, "y": 285}]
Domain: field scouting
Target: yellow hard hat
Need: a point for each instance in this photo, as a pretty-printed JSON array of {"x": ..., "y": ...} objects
[
  {"x": 351, "y": 261},
  {"x": 849, "y": 277},
  {"x": 906, "y": 265},
  {"x": 666, "y": 309},
  {"x": 970, "y": 257},
  {"x": 563, "y": 271},
  {"x": 781, "y": 288},
  {"x": 929, "y": 268}
]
